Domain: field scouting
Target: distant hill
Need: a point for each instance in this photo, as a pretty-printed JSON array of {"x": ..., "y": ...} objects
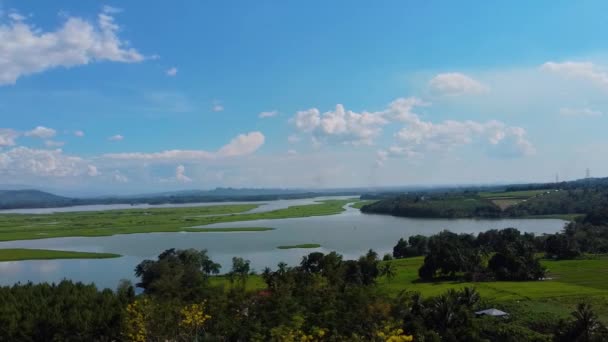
[
  {"x": 14, "y": 199},
  {"x": 18, "y": 199}
]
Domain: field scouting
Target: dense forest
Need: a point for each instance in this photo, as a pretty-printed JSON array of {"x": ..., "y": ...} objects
[
  {"x": 577, "y": 197},
  {"x": 446, "y": 205}
]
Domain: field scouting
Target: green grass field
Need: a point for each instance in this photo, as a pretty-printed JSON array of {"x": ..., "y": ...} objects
[
  {"x": 131, "y": 221},
  {"x": 505, "y": 199},
  {"x": 512, "y": 194},
  {"x": 360, "y": 204},
  {"x": 304, "y": 245},
  {"x": 14, "y": 254},
  {"x": 572, "y": 281}
]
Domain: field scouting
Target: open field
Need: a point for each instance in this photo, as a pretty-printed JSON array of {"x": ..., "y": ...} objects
[
  {"x": 512, "y": 194},
  {"x": 14, "y": 254},
  {"x": 507, "y": 199},
  {"x": 304, "y": 245},
  {"x": 572, "y": 281},
  {"x": 131, "y": 221},
  {"x": 358, "y": 205}
]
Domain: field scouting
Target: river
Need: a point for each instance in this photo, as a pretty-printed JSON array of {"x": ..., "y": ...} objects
[{"x": 350, "y": 233}]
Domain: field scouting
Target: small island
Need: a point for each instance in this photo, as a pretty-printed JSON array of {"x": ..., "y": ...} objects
[
  {"x": 15, "y": 254},
  {"x": 304, "y": 245},
  {"x": 227, "y": 230}
]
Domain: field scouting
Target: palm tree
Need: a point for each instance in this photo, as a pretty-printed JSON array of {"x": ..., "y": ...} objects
[
  {"x": 468, "y": 297},
  {"x": 585, "y": 324},
  {"x": 388, "y": 270}
]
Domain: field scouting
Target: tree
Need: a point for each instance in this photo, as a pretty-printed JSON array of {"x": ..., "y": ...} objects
[
  {"x": 584, "y": 328},
  {"x": 176, "y": 274},
  {"x": 388, "y": 270},
  {"x": 240, "y": 270}
]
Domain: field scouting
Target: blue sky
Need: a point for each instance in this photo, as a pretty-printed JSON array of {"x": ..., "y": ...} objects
[{"x": 128, "y": 96}]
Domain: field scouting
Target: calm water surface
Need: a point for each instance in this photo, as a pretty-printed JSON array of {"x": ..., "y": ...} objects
[{"x": 350, "y": 233}]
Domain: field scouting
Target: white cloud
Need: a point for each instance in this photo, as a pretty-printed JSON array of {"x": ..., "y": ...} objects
[
  {"x": 180, "y": 174},
  {"x": 340, "y": 124},
  {"x": 582, "y": 70},
  {"x": 455, "y": 83},
  {"x": 22, "y": 161},
  {"x": 579, "y": 112},
  {"x": 79, "y": 133},
  {"x": 41, "y": 132},
  {"x": 423, "y": 136},
  {"x": 116, "y": 137},
  {"x": 16, "y": 16},
  {"x": 416, "y": 137},
  {"x": 26, "y": 49},
  {"x": 292, "y": 139},
  {"x": 292, "y": 152},
  {"x": 243, "y": 144},
  {"x": 119, "y": 177},
  {"x": 92, "y": 171},
  {"x": 53, "y": 143},
  {"x": 8, "y": 136},
  {"x": 217, "y": 106},
  {"x": 171, "y": 72},
  {"x": 269, "y": 114}
]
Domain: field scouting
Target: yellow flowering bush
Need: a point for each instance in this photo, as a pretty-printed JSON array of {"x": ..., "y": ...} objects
[
  {"x": 391, "y": 334},
  {"x": 193, "y": 317},
  {"x": 135, "y": 321}
]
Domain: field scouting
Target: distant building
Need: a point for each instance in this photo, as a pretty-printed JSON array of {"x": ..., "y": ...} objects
[{"x": 492, "y": 312}]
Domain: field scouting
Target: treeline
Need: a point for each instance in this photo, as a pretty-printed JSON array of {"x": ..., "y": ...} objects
[
  {"x": 445, "y": 205},
  {"x": 505, "y": 254},
  {"x": 18, "y": 199},
  {"x": 325, "y": 298},
  {"x": 568, "y": 201}
]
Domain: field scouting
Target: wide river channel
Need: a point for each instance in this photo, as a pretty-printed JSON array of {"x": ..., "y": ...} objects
[{"x": 350, "y": 233}]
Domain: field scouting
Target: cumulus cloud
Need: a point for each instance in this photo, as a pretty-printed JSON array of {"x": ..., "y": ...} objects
[
  {"x": 26, "y": 49},
  {"x": 269, "y": 114},
  {"x": 292, "y": 152},
  {"x": 8, "y": 137},
  {"x": 420, "y": 136},
  {"x": 343, "y": 125},
  {"x": 455, "y": 83},
  {"x": 581, "y": 70},
  {"x": 41, "y": 132},
  {"x": 180, "y": 174},
  {"x": 243, "y": 144},
  {"x": 579, "y": 112},
  {"x": 79, "y": 133},
  {"x": 416, "y": 137},
  {"x": 24, "y": 161},
  {"x": 116, "y": 137},
  {"x": 171, "y": 72}
]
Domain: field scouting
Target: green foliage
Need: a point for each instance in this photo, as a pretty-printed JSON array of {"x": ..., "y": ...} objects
[
  {"x": 112, "y": 222},
  {"x": 435, "y": 205},
  {"x": 63, "y": 312},
  {"x": 13, "y": 254}
]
